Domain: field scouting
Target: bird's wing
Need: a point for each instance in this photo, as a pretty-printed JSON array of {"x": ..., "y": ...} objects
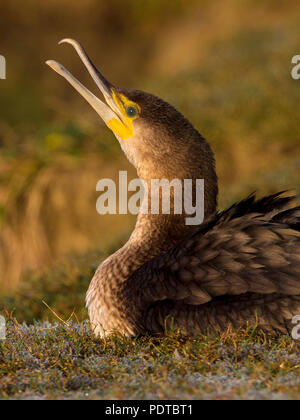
[{"x": 253, "y": 247}]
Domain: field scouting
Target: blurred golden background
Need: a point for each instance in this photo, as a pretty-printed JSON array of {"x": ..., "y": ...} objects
[{"x": 225, "y": 65}]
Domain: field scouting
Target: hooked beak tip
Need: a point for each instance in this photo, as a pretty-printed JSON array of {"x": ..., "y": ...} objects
[
  {"x": 107, "y": 112},
  {"x": 69, "y": 41}
]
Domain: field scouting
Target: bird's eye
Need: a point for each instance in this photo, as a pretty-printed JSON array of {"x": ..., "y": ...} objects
[{"x": 131, "y": 111}]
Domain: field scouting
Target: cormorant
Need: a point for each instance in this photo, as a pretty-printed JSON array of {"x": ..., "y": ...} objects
[{"x": 240, "y": 267}]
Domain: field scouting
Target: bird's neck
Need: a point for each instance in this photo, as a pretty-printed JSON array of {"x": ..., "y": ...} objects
[
  {"x": 152, "y": 235},
  {"x": 155, "y": 233}
]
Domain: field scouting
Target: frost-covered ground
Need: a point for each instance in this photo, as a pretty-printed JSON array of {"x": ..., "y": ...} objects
[{"x": 60, "y": 361}]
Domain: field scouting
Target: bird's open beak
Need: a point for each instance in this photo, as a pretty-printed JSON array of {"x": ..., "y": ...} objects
[{"x": 111, "y": 112}]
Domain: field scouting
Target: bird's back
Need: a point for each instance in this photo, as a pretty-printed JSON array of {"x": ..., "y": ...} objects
[{"x": 240, "y": 267}]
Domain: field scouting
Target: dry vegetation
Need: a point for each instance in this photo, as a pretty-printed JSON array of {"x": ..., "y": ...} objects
[
  {"x": 52, "y": 361},
  {"x": 226, "y": 66}
]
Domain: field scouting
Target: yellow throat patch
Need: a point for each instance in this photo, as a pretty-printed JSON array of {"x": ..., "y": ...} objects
[{"x": 124, "y": 128}]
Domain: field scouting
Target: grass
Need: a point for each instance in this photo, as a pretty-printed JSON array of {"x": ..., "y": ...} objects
[
  {"x": 65, "y": 361},
  {"x": 58, "y": 357},
  {"x": 62, "y": 287}
]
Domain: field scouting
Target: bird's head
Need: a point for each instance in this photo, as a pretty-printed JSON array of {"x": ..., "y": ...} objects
[{"x": 155, "y": 137}]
